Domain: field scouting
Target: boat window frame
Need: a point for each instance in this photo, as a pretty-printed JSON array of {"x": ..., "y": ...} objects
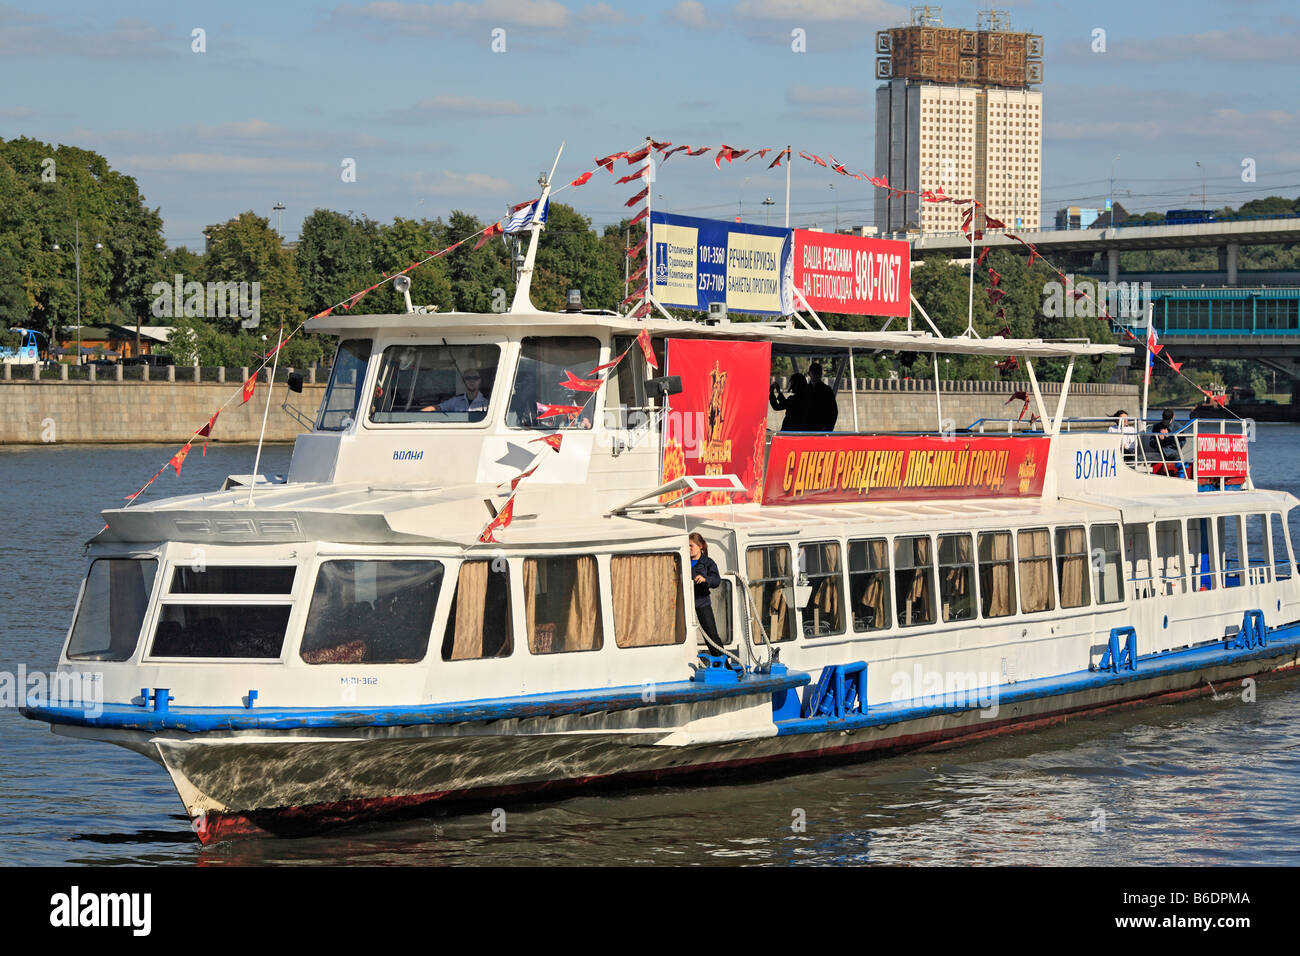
[
  {"x": 1257, "y": 571},
  {"x": 752, "y": 605},
  {"x": 602, "y": 624},
  {"x": 1206, "y": 578},
  {"x": 1058, "y": 559},
  {"x": 1009, "y": 561},
  {"x": 1049, "y": 558},
  {"x": 448, "y": 617},
  {"x": 971, "y": 566},
  {"x": 1277, "y": 522},
  {"x": 146, "y": 619},
  {"x": 1171, "y": 584},
  {"x": 1098, "y": 573},
  {"x": 932, "y": 587},
  {"x": 381, "y": 344},
  {"x": 362, "y": 387},
  {"x": 165, "y": 598},
  {"x": 603, "y": 349},
  {"x": 888, "y": 587},
  {"x": 837, "y": 576},
  {"x": 683, "y": 592}
]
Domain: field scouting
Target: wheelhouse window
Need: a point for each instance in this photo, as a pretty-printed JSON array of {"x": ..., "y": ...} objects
[
  {"x": 1169, "y": 557},
  {"x": 720, "y": 601},
  {"x": 1035, "y": 551},
  {"x": 823, "y": 615},
  {"x": 1281, "y": 561},
  {"x": 1072, "y": 566},
  {"x": 544, "y": 362},
  {"x": 956, "y": 577},
  {"x": 371, "y": 612},
  {"x": 771, "y": 589},
  {"x": 112, "y": 609},
  {"x": 563, "y": 605},
  {"x": 445, "y": 384},
  {"x": 478, "y": 624},
  {"x": 649, "y": 610},
  {"x": 628, "y": 403},
  {"x": 913, "y": 574},
  {"x": 225, "y": 611},
  {"x": 869, "y": 584},
  {"x": 1105, "y": 558},
  {"x": 997, "y": 574},
  {"x": 347, "y": 376},
  {"x": 1257, "y": 548}
]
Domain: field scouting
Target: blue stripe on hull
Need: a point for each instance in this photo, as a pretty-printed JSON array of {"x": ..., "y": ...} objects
[{"x": 573, "y": 703}]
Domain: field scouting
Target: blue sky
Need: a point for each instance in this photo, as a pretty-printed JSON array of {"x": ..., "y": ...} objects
[{"x": 435, "y": 120}]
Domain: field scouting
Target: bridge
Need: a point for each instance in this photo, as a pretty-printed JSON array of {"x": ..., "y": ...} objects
[{"x": 1227, "y": 236}]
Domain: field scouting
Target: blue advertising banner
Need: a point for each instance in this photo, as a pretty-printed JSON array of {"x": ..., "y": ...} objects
[{"x": 697, "y": 261}]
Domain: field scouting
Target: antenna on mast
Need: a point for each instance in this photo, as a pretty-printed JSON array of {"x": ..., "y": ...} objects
[{"x": 521, "y": 301}]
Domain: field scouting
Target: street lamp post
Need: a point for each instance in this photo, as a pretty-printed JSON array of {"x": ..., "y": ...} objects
[
  {"x": 76, "y": 255},
  {"x": 1110, "y": 198},
  {"x": 279, "y": 218},
  {"x": 769, "y": 201},
  {"x": 1202, "y": 169}
]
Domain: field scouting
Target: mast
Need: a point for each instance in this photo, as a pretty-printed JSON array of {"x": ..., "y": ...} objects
[{"x": 521, "y": 301}]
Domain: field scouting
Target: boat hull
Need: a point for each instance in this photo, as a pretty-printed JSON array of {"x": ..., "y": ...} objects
[{"x": 303, "y": 781}]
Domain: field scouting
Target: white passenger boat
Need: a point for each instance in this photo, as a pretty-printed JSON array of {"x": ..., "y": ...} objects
[{"x": 343, "y": 644}]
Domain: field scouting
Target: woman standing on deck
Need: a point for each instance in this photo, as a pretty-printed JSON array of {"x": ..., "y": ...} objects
[{"x": 704, "y": 572}]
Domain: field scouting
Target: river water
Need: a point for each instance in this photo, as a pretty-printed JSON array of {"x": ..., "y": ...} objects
[{"x": 1201, "y": 782}]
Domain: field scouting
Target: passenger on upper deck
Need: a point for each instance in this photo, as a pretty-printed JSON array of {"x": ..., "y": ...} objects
[
  {"x": 796, "y": 404},
  {"x": 1128, "y": 443},
  {"x": 824, "y": 410}
]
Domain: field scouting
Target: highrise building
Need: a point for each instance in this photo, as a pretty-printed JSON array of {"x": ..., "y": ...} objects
[{"x": 957, "y": 112}]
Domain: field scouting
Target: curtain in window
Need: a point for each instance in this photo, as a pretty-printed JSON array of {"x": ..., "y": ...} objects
[
  {"x": 826, "y": 598},
  {"x": 582, "y": 630},
  {"x": 1035, "y": 571},
  {"x": 876, "y": 594},
  {"x": 470, "y": 603},
  {"x": 647, "y": 597},
  {"x": 999, "y": 601},
  {"x": 541, "y": 640},
  {"x": 1073, "y": 566}
]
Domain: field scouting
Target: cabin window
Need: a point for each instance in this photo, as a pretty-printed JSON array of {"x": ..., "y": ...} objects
[
  {"x": 231, "y": 579},
  {"x": 627, "y": 402},
  {"x": 1169, "y": 557},
  {"x": 1072, "y": 566},
  {"x": 997, "y": 574},
  {"x": 343, "y": 396},
  {"x": 545, "y": 363},
  {"x": 112, "y": 609},
  {"x": 371, "y": 612},
  {"x": 1035, "y": 549},
  {"x": 1200, "y": 554},
  {"x": 1229, "y": 532},
  {"x": 869, "y": 584},
  {"x": 649, "y": 610},
  {"x": 771, "y": 588},
  {"x": 1137, "y": 552},
  {"x": 720, "y": 601},
  {"x": 1281, "y": 561},
  {"x": 823, "y": 615},
  {"x": 435, "y": 384},
  {"x": 478, "y": 624},
  {"x": 563, "y": 605},
  {"x": 956, "y": 577},
  {"x": 1107, "y": 575},
  {"x": 913, "y": 566},
  {"x": 1257, "y": 548}
]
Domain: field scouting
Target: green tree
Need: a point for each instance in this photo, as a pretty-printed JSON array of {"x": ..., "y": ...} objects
[{"x": 247, "y": 249}]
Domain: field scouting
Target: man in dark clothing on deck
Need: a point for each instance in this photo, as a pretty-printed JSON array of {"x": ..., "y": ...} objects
[{"x": 824, "y": 410}]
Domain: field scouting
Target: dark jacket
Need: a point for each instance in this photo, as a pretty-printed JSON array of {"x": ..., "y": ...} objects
[{"x": 705, "y": 566}]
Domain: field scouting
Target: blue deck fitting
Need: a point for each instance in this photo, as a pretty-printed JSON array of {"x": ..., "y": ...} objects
[
  {"x": 1253, "y": 633},
  {"x": 716, "y": 669},
  {"x": 1116, "y": 659},
  {"x": 841, "y": 689}
]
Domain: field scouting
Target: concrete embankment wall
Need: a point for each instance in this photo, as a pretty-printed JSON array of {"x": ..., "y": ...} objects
[{"x": 108, "y": 411}]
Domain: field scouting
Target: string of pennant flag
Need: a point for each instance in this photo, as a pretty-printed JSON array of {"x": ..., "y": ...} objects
[{"x": 523, "y": 214}]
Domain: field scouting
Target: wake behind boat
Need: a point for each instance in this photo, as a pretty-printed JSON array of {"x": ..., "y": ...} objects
[{"x": 475, "y": 580}]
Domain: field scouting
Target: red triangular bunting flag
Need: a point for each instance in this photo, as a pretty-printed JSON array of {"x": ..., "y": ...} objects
[
  {"x": 639, "y": 216},
  {"x": 607, "y": 163},
  {"x": 633, "y": 253},
  {"x": 501, "y": 521},
  {"x": 178, "y": 459},
  {"x": 784, "y": 154},
  {"x": 552, "y": 440},
  {"x": 639, "y": 272},
  {"x": 631, "y": 176},
  {"x": 575, "y": 384},
  {"x": 639, "y": 155},
  {"x": 206, "y": 430},
  {"x": 514, "y": 482},
  {"x": 675, "y": 149},
  {"x": 635, "y": 295},
  {"x": 643, "y": 340},
  {"x": 995, "y": 296},
  {"x": 983, "y": 254},
  {"x": 991, "y": 223},
  {"x": 552, "y": 411},
  {"x": 249, "y": 387},
  {"x": 659, "y": 146},
  {"x": 698, "y": 152},
  {"x": 582, "y": 180},
  {"x": 994, "y": 276},
  {"x": 1176, "y": 366},
  {"x": 493, "y": 230},
  {"x": 642, "y": 311}
]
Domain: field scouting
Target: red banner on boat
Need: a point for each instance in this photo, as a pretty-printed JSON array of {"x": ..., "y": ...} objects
[
  {"x": 852, "y": 274},
  {"x": 717, "y": 425},
  {"x": 1222, "y": 456},
  {"x": 821, "y": 469}
]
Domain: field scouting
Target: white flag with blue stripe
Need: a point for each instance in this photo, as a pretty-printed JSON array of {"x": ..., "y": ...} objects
[{"x": 523, "y": 217}]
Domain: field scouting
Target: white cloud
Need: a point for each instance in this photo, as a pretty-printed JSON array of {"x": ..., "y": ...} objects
[
  {"x": 693, "y": 14},
  {"x": 16, "y": 112},
  {"x": 876, "y": 13},
  {"x": 448, "y": 183},
  {"x": 217, "y": 163},
  {"x": 430, "y": 17},
  {"x": 603, "y": 13},
  {"x": 832, "y": 103},
  {"x": 463, "y": 106}
]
